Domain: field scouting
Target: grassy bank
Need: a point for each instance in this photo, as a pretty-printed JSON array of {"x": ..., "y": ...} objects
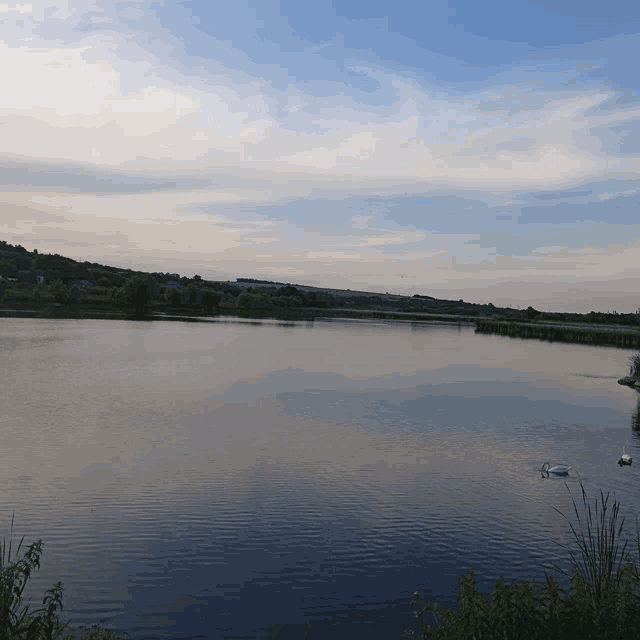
[{"x": 616, "y": 336}]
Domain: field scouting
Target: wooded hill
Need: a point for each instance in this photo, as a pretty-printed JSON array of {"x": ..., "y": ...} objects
[{"x": 33, "y": 280}]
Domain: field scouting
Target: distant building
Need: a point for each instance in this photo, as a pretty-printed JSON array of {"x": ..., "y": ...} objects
[{"x": 79, "y": 283}]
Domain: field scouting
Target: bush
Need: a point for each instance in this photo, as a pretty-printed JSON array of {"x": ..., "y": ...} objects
[
  {"x": 62, "y": 294},
  {"x": 603, "y": 601},
  {"x": 136, "y": 293},
  {"x": 210, "y": 300},
  {"x": 253, "y": 302}
]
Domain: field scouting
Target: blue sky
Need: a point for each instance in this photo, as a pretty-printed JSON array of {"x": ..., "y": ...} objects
[{"x": 486, "y": 151}]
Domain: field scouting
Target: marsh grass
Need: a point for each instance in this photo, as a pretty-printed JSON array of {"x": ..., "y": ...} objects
[
  {"x": 603, "y": 600},
  {"x": 16, "y": 621},
  {"x": 634, "y": 365}
]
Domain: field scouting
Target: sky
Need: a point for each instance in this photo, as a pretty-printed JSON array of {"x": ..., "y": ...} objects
[{"x": 488, "y": 151}]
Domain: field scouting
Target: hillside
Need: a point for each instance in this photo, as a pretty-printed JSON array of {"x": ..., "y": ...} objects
[{"x": 42, "y": 282}]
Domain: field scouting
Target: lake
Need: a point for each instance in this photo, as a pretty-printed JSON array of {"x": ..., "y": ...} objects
[{"x": 238, "y": 479}]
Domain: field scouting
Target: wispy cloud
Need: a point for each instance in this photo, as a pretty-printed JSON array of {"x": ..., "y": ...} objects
[{"x": 304, "y": 140}]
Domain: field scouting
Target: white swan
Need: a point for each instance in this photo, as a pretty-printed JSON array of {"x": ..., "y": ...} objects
[
  {"x": 626, "y": 458},
  {"x": 559, "y": 470}
]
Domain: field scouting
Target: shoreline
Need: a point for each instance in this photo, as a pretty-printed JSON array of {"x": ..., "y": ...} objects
[
  {"x": 570, "y": 333},
  {"x": 305, "y": 313},
  {"x": 617, "y": 336}
]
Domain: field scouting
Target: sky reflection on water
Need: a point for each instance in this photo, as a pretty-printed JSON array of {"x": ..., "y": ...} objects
[{"x": 245, "y": 474}]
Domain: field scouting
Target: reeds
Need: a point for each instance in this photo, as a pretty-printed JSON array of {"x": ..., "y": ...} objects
[
  {"x": 634, "y": 365},
  {"x": 605, "y": 578},
  {"x": 603, "y": 601},
  {"x": 615, "y": 337},
  {"x": 16, "y": 622}
]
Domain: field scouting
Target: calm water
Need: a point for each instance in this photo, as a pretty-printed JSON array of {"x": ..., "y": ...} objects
[{"x": 220, "y": 480}]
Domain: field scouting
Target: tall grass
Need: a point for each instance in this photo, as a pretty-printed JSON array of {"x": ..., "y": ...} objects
[
  {"x": 603, "y": 601},
  {"x": 16, "y": 621},
  {"x": 634, "y": 365}
]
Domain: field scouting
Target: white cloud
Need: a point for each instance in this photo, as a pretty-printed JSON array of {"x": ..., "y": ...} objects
[
  {"x": 79, "y": 111},
  {"x": 20, "y": 8},
  {"x": 118, "y": 94},
  {"x": 111, "y": 85}
]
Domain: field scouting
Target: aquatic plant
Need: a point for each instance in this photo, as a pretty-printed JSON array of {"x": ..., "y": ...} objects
[
  {"x": 605, "y": 578},
  {"x": 603, "y": 601},
  {"x": 634, "y": 365},
  {"x": 95, "y": 633},
  {"x": 16, "y": 622},
  {"x": 581, "y": 334}
]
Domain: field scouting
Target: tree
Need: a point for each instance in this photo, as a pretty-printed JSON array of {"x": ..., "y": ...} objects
[
  {"x": 116, "y": 295},
  {"x": 74, "y": 295},
  {"x": 289, "y": 290},
  {"x": 243, "y": 301},
  {"x": 60, "y": 292},
  {"x": 138, "y": 292},
  {"x": 253, "y": 301},
  {"x": 56, "y": 267},
  {"x": 210, "y": 300},
  {"x": 29, "y": 277},
  {"x": 173, "y": 297},
  {"x": 287, "y": 301},
  {"x": 193, "y": 295},
  {"x": 532, "y": 313},
  {"x": 8, "y": 268}
]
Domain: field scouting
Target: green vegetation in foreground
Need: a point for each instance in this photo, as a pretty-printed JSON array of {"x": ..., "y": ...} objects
[
  {"x": 16, "y": 621},
  {"x": 633, "y": 379},
  {"x": 603, "y": 601},
  {"x": 634, "y": 365}
]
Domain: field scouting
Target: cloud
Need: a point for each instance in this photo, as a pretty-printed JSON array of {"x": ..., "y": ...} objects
[
  {"x": 388, "y": 143},
  {"x": 113, "y": 94}
]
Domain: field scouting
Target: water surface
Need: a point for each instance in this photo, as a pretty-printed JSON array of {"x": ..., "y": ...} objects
[{"x": 210, "y": 480}]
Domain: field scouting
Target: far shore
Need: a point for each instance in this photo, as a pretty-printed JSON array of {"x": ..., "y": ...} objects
[
  {"x": 308, "y": 313},
  {"x": 619, "y": 336}
]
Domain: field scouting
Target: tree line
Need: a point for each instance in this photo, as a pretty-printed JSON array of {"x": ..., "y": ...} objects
[{"x": 32, "y": 279}]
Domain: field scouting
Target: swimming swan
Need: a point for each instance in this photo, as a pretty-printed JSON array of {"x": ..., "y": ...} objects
[
  {"x": 626, "y": 458},
  {"x": 559, "y": 470}
]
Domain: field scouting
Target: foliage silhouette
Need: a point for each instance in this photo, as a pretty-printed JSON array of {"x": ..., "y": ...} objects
[{"x": 603, "y": 601}]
